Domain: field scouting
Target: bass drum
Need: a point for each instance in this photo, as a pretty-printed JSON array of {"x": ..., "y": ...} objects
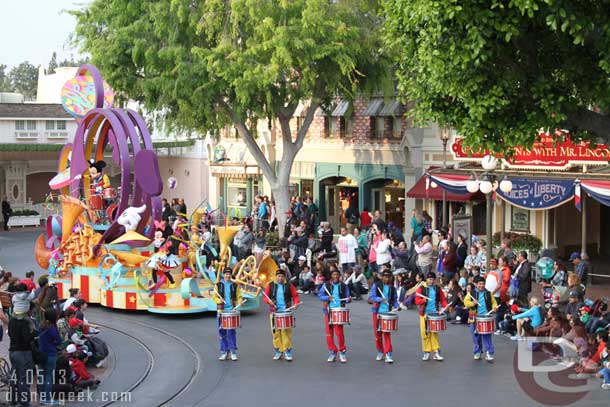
[{"x": 111, "y": 212}]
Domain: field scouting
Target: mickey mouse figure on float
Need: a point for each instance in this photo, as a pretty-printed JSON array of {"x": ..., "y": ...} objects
[{"x": 101, "y": 193}]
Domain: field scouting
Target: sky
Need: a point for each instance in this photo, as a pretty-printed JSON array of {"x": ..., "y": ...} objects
[{"x": 32, "y": 29}]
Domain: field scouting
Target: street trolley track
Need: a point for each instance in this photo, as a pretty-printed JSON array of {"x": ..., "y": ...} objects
[{"x": 151, "y": 359}]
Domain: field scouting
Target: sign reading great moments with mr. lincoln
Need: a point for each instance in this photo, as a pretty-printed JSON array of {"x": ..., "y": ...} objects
[{"x": 545, "y": 154}]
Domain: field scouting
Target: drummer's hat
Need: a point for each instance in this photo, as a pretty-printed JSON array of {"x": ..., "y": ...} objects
[
  {"x": 431, "y": 274},
  {"x": 387, "y": 273},
  {"x": 280, "y": 271}
]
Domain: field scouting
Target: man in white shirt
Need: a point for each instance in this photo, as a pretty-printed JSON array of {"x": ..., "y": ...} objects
[
  {"x": 346, "y": 246},
  {"x": 357, "y": 283}
]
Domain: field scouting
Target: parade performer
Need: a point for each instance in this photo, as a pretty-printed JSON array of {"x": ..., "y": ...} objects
[
  {"x": 429, "y": 297},
  {"x": 480, "y": 303},
  {"x": 281, "y": 296},
  {"x": 98, "y": 180},
  {"x": 163, "y": 261},
  {"x": 334, "y": 294},
  {"x": 384, "y": 298},
  {"x": 227, "y": 295}
]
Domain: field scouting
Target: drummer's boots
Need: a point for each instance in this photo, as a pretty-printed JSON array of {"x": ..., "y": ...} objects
[
  {"x": 288, "y": 355},
  {"x": 277, "y": 355}
]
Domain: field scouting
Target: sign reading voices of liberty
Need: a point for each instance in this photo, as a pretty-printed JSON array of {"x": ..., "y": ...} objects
[
  {"x": 538, "y": 194},
  {"x": 545, "y": 154}
]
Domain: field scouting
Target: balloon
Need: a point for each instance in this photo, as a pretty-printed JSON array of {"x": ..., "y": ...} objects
[{"x": 172, "y": 183}]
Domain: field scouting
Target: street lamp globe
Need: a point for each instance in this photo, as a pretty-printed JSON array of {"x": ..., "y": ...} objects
[
  {"x": 489, "y": 162},
  {"x": 506, "y": 186},
  {"x": 472, "y": 186},
  {"x": 486, "y": 187}
]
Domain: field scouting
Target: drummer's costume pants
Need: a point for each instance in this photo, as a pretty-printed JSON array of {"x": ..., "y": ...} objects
[
  {"x": 429, "y": 340},
  {"x": 383, "y": 340},
  {"x": 227, "y": 338},
  {"x": 282, "y": 338},
  {"x": 331, "y": 331},
  {"x": 481, "y": 342}
]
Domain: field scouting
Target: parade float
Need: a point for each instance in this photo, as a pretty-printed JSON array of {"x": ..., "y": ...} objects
[{"x": 110, "y": 242}]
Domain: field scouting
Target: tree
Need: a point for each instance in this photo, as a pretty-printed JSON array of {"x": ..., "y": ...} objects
[
  {"x": 5, "y": 83},
  {"x": 210, "y": 63},
  {"x": 52, "y": 63},
  {"x": 24, "y": 79},
  {"x": 499, "y": 71}
]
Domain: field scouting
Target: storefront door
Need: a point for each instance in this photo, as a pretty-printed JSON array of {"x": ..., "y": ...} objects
[
  {"x": 332, "y": 199},
  {"x": 378, "y": 199}
]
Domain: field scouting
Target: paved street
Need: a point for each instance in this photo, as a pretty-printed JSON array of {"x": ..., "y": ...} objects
[{"x": 173, "y": 360}]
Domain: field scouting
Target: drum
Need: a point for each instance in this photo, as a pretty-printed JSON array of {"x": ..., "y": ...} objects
[
  {"x": 109, "y": 193},
  {"x": 388, "y": 322},
  {"x": 436, "y": 322},
  {"x": 485, "y": 324},
  {"x": 230, "y": 320},
  {"x": 283, "y": 320},
  {"x": 339, "y": 316},
  {"x": 96, "y": 202}
]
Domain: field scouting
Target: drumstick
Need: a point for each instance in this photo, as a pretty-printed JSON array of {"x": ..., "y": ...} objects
[
  {"x": 267, "y": 297},
  {"x": 239, "y": 305},
  {"x": 423, "y": 296},
  {"x": 327, "y": 292}
]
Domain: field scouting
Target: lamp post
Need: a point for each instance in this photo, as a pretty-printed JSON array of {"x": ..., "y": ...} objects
[
  {"x": 445, "y": 135},
  {"x": 488, "y": 183}
]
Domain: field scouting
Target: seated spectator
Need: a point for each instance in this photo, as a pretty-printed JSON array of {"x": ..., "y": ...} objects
[
  {"x": 528, "y": 320},
  {"x": 357, "y": 283},
  {"x": 306, "y": 281},
  {"x": 5, "y": 281},
  {"x": 82, "y": 378}
]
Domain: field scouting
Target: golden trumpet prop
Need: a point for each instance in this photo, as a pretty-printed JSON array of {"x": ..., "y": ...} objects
[
  {"x": 128, "y": 259},
  {"x": 71, "y": 209},
  {"x": 413, "y": 289},
  {"x": 225, "y": 237}
]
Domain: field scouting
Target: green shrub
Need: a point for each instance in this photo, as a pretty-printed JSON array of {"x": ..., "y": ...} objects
[
  {"x": 24, "y": 212},
  {"x": 519, "y": 241}
]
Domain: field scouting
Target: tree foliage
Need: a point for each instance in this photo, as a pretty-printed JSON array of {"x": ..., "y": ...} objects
[
  {"x": 5, "y": 83},
  {"x": 205, "y": 64},
  {"x": 497, "y": 71},
  {"x": 24, "y": 79}
]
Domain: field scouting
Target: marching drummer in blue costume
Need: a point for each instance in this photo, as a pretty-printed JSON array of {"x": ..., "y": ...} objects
[
  {"x": 482, "y": 302},
  {"x": 227, "y": 295},
  {"x": 383, "y": 297}
]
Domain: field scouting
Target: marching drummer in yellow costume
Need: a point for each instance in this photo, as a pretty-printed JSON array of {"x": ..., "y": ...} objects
[
  {"x": 281, "y": 296},
  {"x": 429, "y": 297},
  {"x": 227, "y": 295}
]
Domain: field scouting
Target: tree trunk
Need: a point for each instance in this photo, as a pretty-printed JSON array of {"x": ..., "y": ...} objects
[{"x": 280, "y": 189}]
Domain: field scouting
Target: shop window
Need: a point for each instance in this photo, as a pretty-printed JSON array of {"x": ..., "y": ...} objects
[
  {"x": 236, "y": 195},
  {"x": 293, "y": 189},
  {"x": 307, "y": 188},
  {"x": 327, "y": 126},
  {"x": 397, "y": 127},
  {"x": 479, "y": 211},
  {"x": 379, "y": 127},
  {"x": 345, "y": 127}
]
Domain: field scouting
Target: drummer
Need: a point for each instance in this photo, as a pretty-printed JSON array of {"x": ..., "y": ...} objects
[
  {"x": 384, "y": 298},
  {"x": 429, "y": 297},
  {"x": 334, "y": 294},
  {"x": 227, "y": 295},
  {"x": 281, "y": 296},
  {"x": 481, "y": 302},
  {"x": 98, "y": 179}
]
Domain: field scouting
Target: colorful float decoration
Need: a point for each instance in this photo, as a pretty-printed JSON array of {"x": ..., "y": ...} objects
[{"x": 110, "y": 242}]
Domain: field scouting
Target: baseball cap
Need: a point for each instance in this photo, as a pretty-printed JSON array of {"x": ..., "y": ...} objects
[
  {"x": 302, "y": 258},
  {"x": 71, "y": 348},
  {"x": 574, "y": 256},
  {"x": 574, "y": 294},
  {"x": 74, "y": 322}
]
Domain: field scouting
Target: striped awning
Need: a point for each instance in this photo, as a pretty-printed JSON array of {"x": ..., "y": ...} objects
[
  {"x": 373, "y": 108},
  {"x": 341, "y": 109},
  {"x": 391, "y": 108}
]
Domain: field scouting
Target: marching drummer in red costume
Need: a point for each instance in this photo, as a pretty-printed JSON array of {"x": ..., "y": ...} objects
[
  {"x": 481, "y": 303},
  {"x": 384, "y": 298},
  {"x": 429, "y": 297},
  {"x": 281, "y": 296},
  {"x": 227, "y": 295},
  {"x": 334, "y": 294}
]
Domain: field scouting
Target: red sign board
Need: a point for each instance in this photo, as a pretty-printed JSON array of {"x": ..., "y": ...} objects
[{"x": 545, "y": 154}]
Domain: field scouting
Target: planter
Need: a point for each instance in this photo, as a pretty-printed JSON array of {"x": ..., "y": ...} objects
[{"x": 30, "y": 220}]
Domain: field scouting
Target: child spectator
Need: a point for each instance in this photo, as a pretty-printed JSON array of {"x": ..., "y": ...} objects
[
  {"x": 82, "y": 378},
  {"x": 21, "y": 300}
]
